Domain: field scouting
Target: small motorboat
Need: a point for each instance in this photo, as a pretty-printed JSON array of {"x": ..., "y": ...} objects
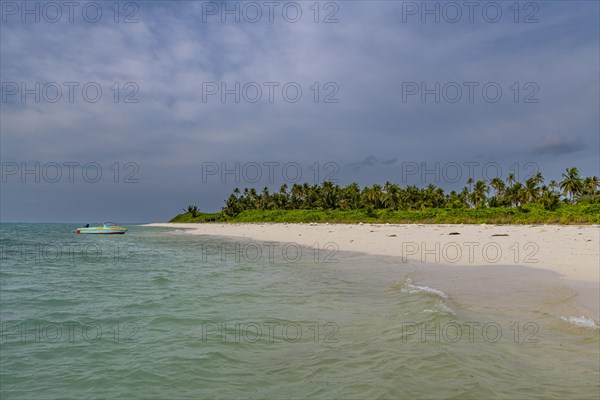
[{"x": 108, "y": 228}]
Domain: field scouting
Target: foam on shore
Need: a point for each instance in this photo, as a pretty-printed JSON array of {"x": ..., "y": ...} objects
[{"x": 581, "y": 321}]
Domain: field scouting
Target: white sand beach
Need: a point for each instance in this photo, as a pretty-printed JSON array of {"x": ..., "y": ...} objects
[{"x": 570, "y": 250}]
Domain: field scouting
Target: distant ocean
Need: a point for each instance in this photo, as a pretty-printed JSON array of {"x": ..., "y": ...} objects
[{"x": 160, "y": 314}]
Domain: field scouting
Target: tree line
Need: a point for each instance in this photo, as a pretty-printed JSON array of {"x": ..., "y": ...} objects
[{"x": 572, "y": 189}]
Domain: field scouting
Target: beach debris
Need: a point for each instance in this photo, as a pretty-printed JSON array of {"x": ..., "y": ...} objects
[
  {"x": 392, "y": 235},
  {"x": 500, "y": 234},
  {"x": 454, "y": 233}
]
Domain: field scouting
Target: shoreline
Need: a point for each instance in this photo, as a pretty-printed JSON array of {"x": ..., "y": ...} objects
[{"x": 570, "y": 251}]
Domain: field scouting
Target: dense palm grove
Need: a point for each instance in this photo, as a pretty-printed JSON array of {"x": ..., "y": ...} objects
[{"x": 571, "y": 189}]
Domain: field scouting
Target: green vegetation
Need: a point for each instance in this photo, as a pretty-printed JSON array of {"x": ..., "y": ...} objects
[
  {"x": 199, "y": 217},
  {"x": 192, "y": 210},
  {"x": 574, "y": 200}
]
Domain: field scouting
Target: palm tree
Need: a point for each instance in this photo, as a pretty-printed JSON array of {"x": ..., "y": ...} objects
[
  {"x": 253, "y": 199},
  {"x": 232, "y": 206},
  {"x": 374, "y": 196},
  {"x": 511, "y": 179},
  {"x": 281, "y": 199},
  {"x": 470, "y": 183},
  {"x": 311, "y": 200},
  {"x": 515, "y": 194},
  {"x": 549, "y": 199},
  {"x": 265, "y": 199},
  {"x": 329, "y": 195},
  {"x": 412, "y": 197},
  {"x": 571, "y": 183},
  {"x": 538, "y": 178},
  {"x": 349, "y": 197},
  {"x": 439, "y": 198},
  {"x": 455, "y": 200},
  {"x": 296, "y": 197},
  {"x": 498, "y": 185},
  {"x": 478, "y": 196},
  {"x": 589, "y": 185},
  {"x": 464, "y": 196},
  {"x": 499, "y": 188},
  {"x": 392, "y": 196},
  {"x": 193, "y": 210},
  {"x": 532, "y": 191}
]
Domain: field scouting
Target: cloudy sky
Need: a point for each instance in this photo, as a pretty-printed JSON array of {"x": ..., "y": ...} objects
[{"x": 130, "y": 113}]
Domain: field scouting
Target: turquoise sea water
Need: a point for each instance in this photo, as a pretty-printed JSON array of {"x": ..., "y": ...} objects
[{"x": 158, "y": 313}]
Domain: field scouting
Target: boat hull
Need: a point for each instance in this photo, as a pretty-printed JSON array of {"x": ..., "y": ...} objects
[
  {"x": 102, "y": 231},
  {"x": 99, "y": 233}
]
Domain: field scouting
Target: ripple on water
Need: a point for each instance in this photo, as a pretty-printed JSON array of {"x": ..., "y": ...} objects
[{"x": 353, "y": 339}]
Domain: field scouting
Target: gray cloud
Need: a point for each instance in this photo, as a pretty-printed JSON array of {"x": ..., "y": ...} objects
[
  {"x": 368, "y": 55},
  {"x": 558, "y": 144},
  {"x": 371, "y": 161}
]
